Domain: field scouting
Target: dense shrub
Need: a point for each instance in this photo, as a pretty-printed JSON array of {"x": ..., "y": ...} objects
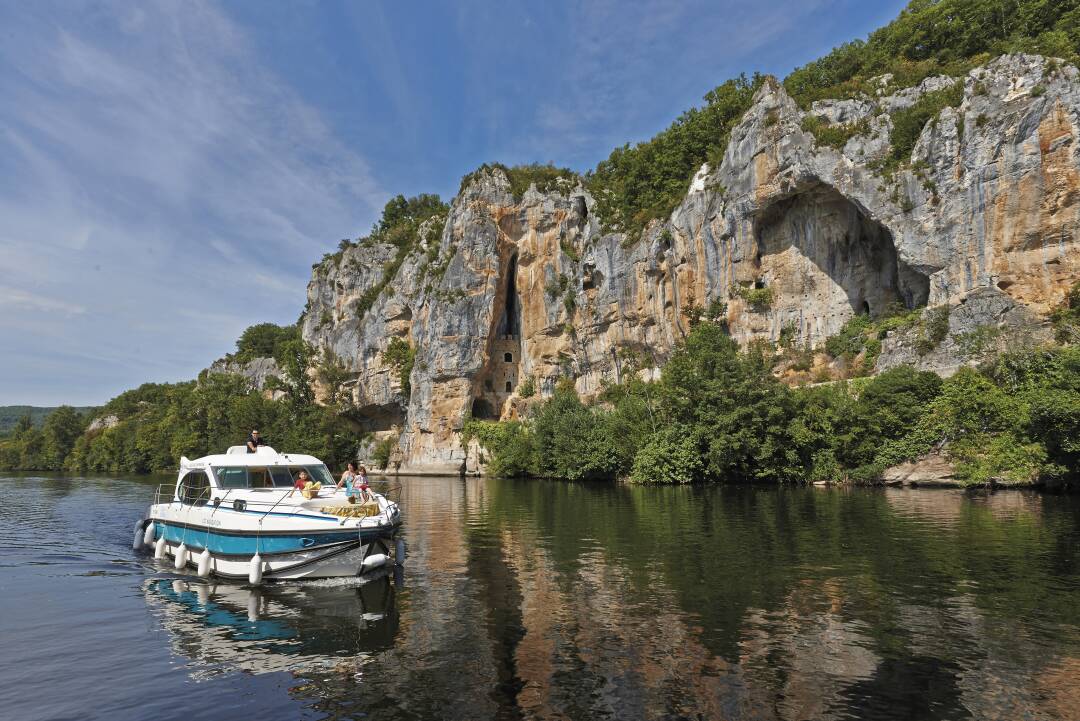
[
  {"x": 381, "y": 452},
  {"x": 670, "y": 456},
  {"x": 511, "y": 445},
  {"x": 1066, "y": 317},
  {"x": 572, "y": 440},
  {"x": 401, "y": 355}
]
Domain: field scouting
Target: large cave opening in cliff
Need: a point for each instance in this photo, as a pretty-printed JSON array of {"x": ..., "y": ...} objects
[{"x": 827, "y": 260}]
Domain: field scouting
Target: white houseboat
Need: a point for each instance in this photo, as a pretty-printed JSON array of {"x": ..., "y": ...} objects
[{"x": 239, "y": 515}]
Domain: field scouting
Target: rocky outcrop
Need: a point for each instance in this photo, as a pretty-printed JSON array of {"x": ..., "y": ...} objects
[
  {"x": 795, "y": 236},
  {"x": 932, "y": 469},
  {"x": 103, "y": 423},
  {"x": 258, "y": 371}
]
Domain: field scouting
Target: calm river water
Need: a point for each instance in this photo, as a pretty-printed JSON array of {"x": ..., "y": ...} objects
[{"x": 560, "y": 601}]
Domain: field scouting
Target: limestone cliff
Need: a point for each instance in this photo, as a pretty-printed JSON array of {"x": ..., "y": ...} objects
[{"x": 796, "y": 236}]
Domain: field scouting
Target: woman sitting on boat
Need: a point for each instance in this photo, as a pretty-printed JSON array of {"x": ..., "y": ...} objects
[
  {"x": 357, "y": 487},
  {"x": 348, "y": 477}
]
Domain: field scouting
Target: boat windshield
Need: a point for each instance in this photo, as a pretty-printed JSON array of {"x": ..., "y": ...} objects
[
  {"x": 269, "y": 477},
  {"x": 320, "y": 474}
]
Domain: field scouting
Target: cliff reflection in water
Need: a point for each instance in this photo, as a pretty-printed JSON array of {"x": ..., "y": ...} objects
[{"x": 552, "y": 600}]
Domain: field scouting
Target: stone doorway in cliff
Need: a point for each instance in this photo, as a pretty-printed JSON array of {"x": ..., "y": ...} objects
[
  {"x": 499, "y": 379},
  {"x": 826, "y": 261}
]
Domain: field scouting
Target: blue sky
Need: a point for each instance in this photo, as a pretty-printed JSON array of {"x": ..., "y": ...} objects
[{"x": 169, "y": 171}]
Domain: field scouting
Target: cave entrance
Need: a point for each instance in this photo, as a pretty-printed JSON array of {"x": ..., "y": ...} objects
[
  {"x": 483, "y": 410},
  {"x": 825, "y": 257}
]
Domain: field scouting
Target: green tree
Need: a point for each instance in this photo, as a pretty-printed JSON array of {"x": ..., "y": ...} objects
[
  {"x": 264, "y": 340},
  {"x": 61, "y": 429},
  {"x": 572, "y": 441}
]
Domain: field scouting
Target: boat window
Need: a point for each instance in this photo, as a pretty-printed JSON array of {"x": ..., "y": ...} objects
[
  {"x": 260, "y": 478},
  {"x": 320, "y": 474},
  {"x": 282, "y": 477},
  {"x": 194, "y": 488},
  {"x": 231, "y": 477}
]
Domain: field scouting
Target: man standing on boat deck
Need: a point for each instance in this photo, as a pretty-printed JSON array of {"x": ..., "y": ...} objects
[{"x": 253, "y": 442}]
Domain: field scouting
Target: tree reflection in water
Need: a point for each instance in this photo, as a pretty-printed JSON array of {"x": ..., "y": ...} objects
[{"x": 557, "y": 600}]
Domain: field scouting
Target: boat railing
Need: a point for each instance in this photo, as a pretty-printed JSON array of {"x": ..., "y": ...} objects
[{"x": 165, "y": 490}]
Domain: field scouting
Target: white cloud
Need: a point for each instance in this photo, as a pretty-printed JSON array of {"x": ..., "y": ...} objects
[
  {"x": 13, "y": 300},
  {"x": 152, "y": 163}
]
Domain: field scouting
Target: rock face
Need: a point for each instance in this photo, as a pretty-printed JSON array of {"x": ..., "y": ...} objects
[
  {"x": 257, "y": 370},
  {"x": 984, "y": 217}
]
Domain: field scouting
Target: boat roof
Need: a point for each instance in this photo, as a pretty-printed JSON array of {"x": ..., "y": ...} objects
[{"x": 239, "y": 456}]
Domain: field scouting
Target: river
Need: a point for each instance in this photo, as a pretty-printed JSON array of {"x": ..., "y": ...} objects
[{"x": 544, "y": 600}]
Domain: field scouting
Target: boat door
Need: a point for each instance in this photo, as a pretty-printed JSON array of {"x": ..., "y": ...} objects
[{"x": 194, "y": 488}]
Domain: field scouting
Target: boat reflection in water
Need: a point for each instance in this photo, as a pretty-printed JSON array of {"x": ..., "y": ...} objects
[{"x": 295, "y": 627}]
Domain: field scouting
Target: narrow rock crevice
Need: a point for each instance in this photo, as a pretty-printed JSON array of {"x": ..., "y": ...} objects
[{"x": 498, "y": 379}]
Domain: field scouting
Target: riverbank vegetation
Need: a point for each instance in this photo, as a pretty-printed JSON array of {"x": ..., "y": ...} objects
[
  {"x": 150, "y": 427},
  {"x": 718, "y": 414}
]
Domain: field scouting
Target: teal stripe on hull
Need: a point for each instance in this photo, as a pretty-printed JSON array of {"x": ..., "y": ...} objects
[{"x": 230, "y": 545}]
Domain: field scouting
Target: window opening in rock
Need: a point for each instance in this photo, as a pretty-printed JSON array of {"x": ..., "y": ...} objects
[
  {"x": 866, "y": 307},
  {"x": 509, "y": 387},
  {"x": 508, "y": 357}
]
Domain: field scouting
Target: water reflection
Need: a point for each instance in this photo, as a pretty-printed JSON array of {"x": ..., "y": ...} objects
[
  {"x": 532, "y": 600},
  {"x": 297, "y": 628},
  {"x": 538, "y": 600}
]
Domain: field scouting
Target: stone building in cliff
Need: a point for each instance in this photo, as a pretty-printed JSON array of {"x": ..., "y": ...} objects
[{"x": 984, "y": 219}]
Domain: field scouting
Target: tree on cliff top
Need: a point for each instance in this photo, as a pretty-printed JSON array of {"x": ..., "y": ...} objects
[{"x": 264, "y": 340}]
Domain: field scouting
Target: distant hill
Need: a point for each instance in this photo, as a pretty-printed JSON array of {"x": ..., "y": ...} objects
[{"x": 10, "y": 415}]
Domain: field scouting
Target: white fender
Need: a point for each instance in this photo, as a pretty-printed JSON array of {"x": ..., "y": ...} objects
[
  {"x": 148, "y": 534},
  {"x": 375, "y": 560},
  {"x": 159, "y": 548},
  {"x": 181, "y": 557},
  {"x": 255, "y": 574},
  {"x": 137, "y": 542},
  {"x": 399, "y": 552},
  {"x": 204, "y": 563}
]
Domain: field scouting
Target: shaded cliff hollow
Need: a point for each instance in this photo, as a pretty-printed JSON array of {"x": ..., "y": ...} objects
[{"x": 983, "y": 216}]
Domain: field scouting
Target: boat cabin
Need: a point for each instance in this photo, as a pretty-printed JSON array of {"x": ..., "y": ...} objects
[{"x": 237, "y": 470}]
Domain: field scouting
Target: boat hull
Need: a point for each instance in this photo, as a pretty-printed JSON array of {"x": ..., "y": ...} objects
[{"x": 311, "y": 554}]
